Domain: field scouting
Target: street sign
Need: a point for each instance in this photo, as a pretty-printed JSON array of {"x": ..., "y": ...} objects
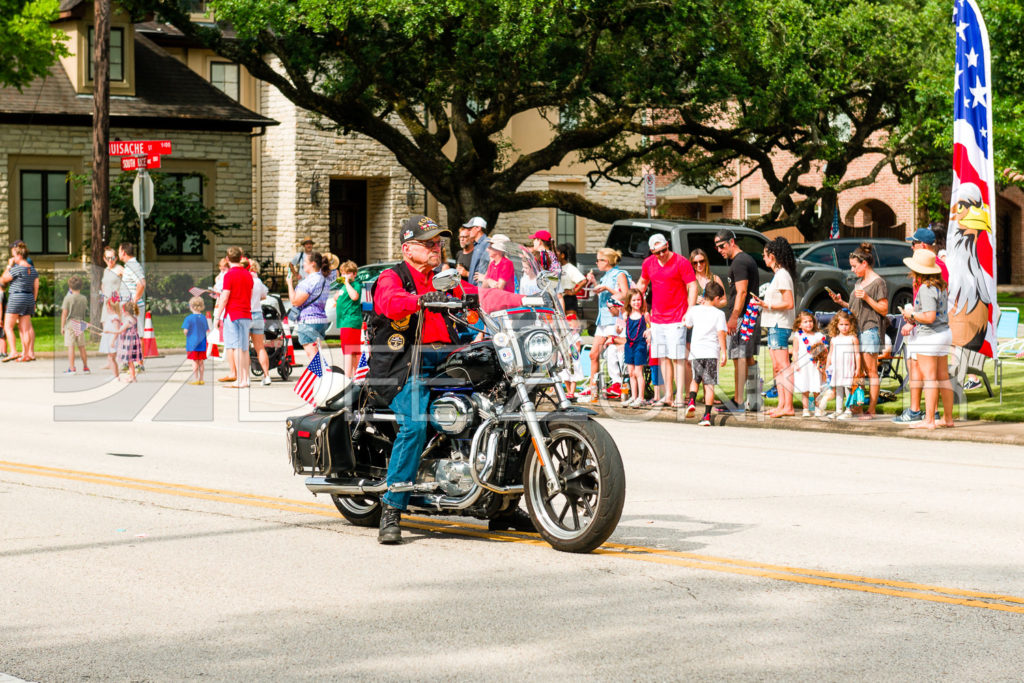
[
  {"x": 142, "y": 194},
  {"x": 650, "y": 195},
  {"x": 121, "y": 148},
  {"x": 132, "y": 163}
]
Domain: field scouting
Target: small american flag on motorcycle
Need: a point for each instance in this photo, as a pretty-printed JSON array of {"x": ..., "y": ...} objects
[
  {"x": 310, "y": 379},
  {"x": 363, "y": 368}
]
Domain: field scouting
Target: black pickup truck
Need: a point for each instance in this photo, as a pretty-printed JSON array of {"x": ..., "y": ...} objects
[{"x": 630, "y": 237}]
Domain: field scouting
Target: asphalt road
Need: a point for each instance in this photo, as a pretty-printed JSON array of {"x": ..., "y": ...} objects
[{"x": 170, "y": 550}]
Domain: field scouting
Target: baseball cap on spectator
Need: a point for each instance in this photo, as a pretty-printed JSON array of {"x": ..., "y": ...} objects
[
  {"x": 476, "y": 222},
  {"x": 421, "y": 228},
  {"x": 541, "y": 235},
  {"x": 308, "y": 240},
  {"x": 923, "y": 235},
  {"x": 500, "y": 242},
  {"x": 656, "y": 241}
]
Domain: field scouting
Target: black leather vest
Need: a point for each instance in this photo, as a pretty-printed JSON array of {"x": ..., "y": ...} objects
[{"x": 391, "y": 343}]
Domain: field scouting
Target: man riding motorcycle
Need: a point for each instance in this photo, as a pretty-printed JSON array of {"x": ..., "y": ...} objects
[{"x": 399, "y": 295}]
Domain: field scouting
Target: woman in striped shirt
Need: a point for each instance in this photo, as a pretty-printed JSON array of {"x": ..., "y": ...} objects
[{"x": 23, "y": 281}]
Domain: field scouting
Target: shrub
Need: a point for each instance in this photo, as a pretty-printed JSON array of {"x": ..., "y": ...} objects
[{"x": 173, "y": 286}]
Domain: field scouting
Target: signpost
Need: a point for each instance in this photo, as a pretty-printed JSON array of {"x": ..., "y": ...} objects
[
  {"x": 141, "y": 155},
  {"x": 650, "y": 194}
]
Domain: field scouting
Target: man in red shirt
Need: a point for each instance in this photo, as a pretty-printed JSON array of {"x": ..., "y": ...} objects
[
  {"x": 398, "y": 297},
  {"x": 234, "y": 305},
  {"x": 675, "y": 290}
]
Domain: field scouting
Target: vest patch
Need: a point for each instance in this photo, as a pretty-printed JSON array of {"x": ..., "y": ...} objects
[
  {"x": 396, "y": 342},
  {"x": 402, "y": 324}
]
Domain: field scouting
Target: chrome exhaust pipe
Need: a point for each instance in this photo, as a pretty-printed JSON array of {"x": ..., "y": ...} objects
[{"x": 345, "y": 487}]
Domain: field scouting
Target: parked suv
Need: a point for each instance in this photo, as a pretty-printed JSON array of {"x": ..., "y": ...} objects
[
  {"x": 630, "y": 237},
  {"x": 889, "y": 255}
]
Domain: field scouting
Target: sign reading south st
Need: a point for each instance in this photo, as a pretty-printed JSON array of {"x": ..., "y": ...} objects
[
  {"x": 120, "y": 148},
  {"x": 132, "y": 163}
]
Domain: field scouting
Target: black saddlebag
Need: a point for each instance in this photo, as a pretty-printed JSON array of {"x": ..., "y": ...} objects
[{"x": 319, "y": 444}]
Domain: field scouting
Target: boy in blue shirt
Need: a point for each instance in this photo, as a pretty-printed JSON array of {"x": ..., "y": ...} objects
[{"x": 196, "y": 329}]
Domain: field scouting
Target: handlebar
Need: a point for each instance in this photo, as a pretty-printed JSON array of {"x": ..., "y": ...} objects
[{"x": 452, "y": 304}]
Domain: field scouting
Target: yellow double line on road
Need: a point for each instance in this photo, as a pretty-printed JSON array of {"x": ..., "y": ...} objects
[{"x": 813, "y": 577}]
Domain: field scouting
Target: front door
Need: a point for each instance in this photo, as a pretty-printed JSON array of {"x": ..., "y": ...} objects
[{"x": 348, "y": 220}]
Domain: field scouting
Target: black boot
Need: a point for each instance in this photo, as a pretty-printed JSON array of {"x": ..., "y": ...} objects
[
  {"x": 515, "y": 519},
  {"x": 390, "y": 532}
]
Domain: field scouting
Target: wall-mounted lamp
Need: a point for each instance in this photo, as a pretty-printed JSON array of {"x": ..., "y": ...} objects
[
  {"x": 314, "y": 189},
  {"x": 412, "y": 197}
]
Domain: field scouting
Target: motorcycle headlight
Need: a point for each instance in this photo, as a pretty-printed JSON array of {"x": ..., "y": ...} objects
[{"x": 539, "y": 347}]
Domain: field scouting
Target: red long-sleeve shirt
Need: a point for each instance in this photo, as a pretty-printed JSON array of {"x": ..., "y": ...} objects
[{"x": 392, "y": 301}]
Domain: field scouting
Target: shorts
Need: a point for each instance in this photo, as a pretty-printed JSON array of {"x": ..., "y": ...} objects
[
  {"x": 705, "y": 371},
  {"x": 71, "y": 339},
  {"x": 743, "y": 349},
  {"x": 257, "y": 323},
  {"x": 655, "y": 372},
  {"x": 236, "y": 333},
  {"x": 778, "y": 337},
  {"x": 636, "y": 354},
  {"x": 351, "y": 339},
  {"x": 608, "y": 331},
  {"x": 668, "y": 340},
  {"x": 931, "y": 344},
  {"x": 871, "y": 341},
  {"x": 197, "y": 355},
  {"x": 310, "y": 333}
]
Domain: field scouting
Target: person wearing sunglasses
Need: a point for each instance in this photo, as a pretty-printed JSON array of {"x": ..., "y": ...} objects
[
  {"x": 674, "y": 290},
  {"x": 702, "y": 271},
  {"x": 398, "y": 298}
]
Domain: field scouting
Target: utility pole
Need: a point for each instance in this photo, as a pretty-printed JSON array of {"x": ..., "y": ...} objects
[{"x": 100, "y": 154}]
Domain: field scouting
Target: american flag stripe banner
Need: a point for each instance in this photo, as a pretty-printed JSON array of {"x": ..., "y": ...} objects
[
  {"x": 310, "y": 379},
  {"x": 970, "y": 241}
]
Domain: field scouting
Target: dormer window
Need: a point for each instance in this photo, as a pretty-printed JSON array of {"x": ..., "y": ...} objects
[{"x": 116, "y": 54}]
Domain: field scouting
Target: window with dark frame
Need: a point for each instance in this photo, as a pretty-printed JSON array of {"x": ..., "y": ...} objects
[
  {"x": 565, "y": 227},
  {"x": 178, "y": 244},
  {"x": 224, "y": 77},
  {"x": 42, "y": 193},
  {"x": 116, "y": 54}
]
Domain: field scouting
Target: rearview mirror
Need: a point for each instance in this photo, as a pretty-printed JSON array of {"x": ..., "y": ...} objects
[{"x": 447, "y": 280}]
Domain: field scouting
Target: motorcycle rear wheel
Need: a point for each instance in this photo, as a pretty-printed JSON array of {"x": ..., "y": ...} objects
[
  {"x": 581, "y": 516},
  {"x": 362, "y": 511}
]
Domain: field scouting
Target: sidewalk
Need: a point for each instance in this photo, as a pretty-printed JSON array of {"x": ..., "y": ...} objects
[{"x": 978, "y": 431}]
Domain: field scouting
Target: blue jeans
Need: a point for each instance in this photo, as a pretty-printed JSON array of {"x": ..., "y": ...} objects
[{"x": 410, "y": 409}]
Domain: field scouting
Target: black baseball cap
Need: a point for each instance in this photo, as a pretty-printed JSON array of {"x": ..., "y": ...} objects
[{"x": 421, "y": 228}]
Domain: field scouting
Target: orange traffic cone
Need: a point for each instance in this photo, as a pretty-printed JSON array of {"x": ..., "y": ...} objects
[
  {"x": 213, "y": 338},
  {"x": 149, "y": 349}
]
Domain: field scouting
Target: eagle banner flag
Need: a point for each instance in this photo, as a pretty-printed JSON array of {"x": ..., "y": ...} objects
[{"x": 971, "y": 239}]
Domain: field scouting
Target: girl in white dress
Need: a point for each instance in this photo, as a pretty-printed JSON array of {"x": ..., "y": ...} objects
[
  {"x": 843, "y": 359},
  {"x": 808, "y": 345}
]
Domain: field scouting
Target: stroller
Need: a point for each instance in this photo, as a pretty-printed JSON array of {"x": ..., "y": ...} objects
[{"x": 275, "y": 340}]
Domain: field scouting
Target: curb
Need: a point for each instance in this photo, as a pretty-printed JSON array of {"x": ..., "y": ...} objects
[{"x": 976, "y": 431}]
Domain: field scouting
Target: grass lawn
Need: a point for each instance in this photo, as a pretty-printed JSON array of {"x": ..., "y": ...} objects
[{"x": 167, "y": 328}]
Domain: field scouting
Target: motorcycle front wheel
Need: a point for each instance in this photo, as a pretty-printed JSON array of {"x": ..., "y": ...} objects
[
  {"x": 586, "y": 511},
  {"x": 362, "y": 511}
]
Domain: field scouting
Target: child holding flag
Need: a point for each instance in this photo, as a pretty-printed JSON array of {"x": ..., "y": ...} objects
[{"x": 74, "y": 315}]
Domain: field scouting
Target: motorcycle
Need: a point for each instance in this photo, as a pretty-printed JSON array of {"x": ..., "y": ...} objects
[
  {"x": 491, "y": 442},
  {"x": 274, "y": 340}
]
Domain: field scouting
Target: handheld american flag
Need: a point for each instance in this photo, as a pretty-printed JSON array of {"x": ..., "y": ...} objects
[
  {"x": 833, "y": 233},
  {"x": 77, "y": 326},
  {"x": 307, "y": 384},
  {"x": 970, "y": 254},
  {"x": 197, "y": 291}
]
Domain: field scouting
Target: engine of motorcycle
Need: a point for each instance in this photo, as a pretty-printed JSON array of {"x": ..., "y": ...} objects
[{"x": 452, "y": 413}]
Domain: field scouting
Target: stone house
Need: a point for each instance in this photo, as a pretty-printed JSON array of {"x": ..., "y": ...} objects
[{"x": 46, "y": 134}]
